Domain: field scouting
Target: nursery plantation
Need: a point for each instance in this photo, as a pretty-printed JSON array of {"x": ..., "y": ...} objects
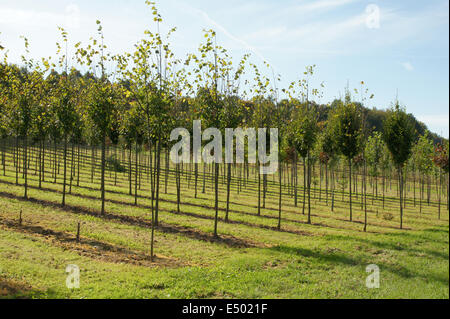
[{"x": 97, "y": 201}]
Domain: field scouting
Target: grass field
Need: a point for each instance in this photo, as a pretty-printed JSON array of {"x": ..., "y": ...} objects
[{"x": 250, "y": 259}]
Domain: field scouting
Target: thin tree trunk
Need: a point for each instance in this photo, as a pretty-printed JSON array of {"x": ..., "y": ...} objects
[
  {"x": 136, "y": 168},
  {"x": 279, "y": 197},
  {"x": 25, "y": 166},
  {"x": 350, "y": 188},
  {"x": 326, "y": 183},
  {"x": 309, "y": 189},
  {"x": 130, "y": 169},
  {"x": 228, "y": 190},
  {"x": 78, "y": 164},
  {"x": 158, "y": 171},
  {"x": 178, "y": 185},
  {"x": 439, "y": 195},
  {"x": 17, "y": 160},
  {"x": 72, "y": 168},
  {"x": 65, "y": 171},
  {"x": 304, "y": 185},
  {"x": 365, "y": 196},
  {"x": 259, "y": 189},
  {"x": 40, "y": 165},
  {"x": 400, "y": 180},
  {"x": 196, "y": 179},
  {"x": 166, "y": 178},
  {"x": 216, "y": 194},
  {"x": 102, "y": 186}
]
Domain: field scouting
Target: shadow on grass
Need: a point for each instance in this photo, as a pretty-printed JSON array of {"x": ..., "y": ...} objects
[
  {"x": 130, "y": 204},
  {"x": 334, "y": 258},
  {"x": 92, "y": 248},
  {"x": 285, "y": 210},
  {"x": 227, "y": 240},
  {"x": 11, "y": 289},
  {"x": 401, "y": 245}
]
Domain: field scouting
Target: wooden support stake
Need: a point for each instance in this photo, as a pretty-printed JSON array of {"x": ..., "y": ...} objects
[{"x": 78, "y": 232}]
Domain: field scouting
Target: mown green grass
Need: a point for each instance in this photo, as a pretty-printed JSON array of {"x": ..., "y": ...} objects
[{"x": 326, "y": 259}]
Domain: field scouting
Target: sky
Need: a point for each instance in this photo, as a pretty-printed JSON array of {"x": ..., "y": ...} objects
[{"x": 399, "y": 48}]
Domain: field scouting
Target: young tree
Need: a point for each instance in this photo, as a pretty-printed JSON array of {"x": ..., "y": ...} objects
[
  {"x": 422, "y": 154},
  {"x": 6, "y": 101},
  {"x": 231, "y": 114},
  {"x": 100, "y": 108},
  {"x": 41, "y": 119},
  {"x": 302, "y": 136},
  {"x": 440, "y": 159},
  {"x": 26, "y": 88},
  {"x": 327, "y": 153},
  {"x": 148, "y": 72},
  {"x": 261, "y": 117},
  {"x": 133, "y": 131},
  {"x": 304, "y": 129},
  {"x": 398, "y": 134},
  {"x": 63, "y": 103},
  {"x": 210, "y": 70},
  {"x": 66, "y": 115},
  {"x": 346, "y": 127},
  {"x": 385, "y": 164},
  {"x": 373, "y": 154}
]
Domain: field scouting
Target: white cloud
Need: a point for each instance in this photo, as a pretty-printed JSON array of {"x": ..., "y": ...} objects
[
  {"x": 72, "y": 16},
  {"x": 29, "y": 18},
  {"x": 342, "y": 33},
  {"x": 320, "y": 5},
  {"x": 315, "y": 37},
  {"x": 218, "y": 27},
  {"x": 408, "y": 66}
]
